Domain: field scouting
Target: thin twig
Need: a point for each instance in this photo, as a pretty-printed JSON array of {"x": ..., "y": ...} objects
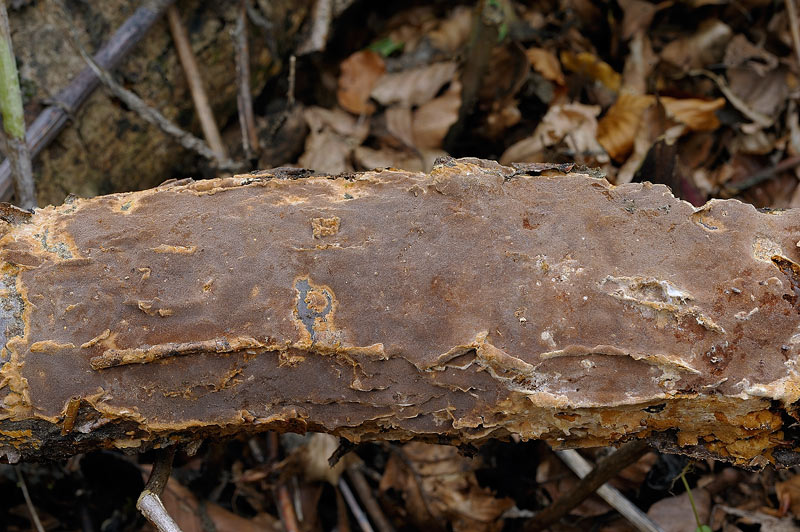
[
  {"x": 286, "y": 509},
  {"x": 28, "y": 502},
  {"x": 244, "y": 99},
  {"x": 612, "y": 496},
  {"x": 147, "y": 113},
  {"x": 199, "y": 96},
  {"x": 52, "y": 120},
  {"x": 292, "y": 74},
  {"x": 14, "y": 118},
  {"x": 149, "y": 502},
  {"x": 483, "y": 37},
  {"x": 342, "y": 516},
  {"x": 763, "y": 175},
  {"x": 791, "y": 8},
  {"x": 591, "y": 482},
  {"x": 321, "y": 17},
  {"x": 756, "y": 116},
  {"x": 370, "y": 504},
  {"x": 361, "y": 517}
]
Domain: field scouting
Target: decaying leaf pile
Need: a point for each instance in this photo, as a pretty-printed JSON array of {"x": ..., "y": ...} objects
[{"x": 697, "y": 96}]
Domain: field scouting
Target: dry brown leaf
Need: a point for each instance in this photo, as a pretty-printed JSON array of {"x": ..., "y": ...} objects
[
  {"x": 674, "y": 514},
  {"x": 697, "y": 114},
  {"x": 345, "y": 124},
  {"x": 399, "y": 124},
  {"x": 333, "y": 135},
  {"x": 768, "y": 523},
  {"x": 410, "y": 26},
  {"x": 637, "y": 16},
  {"x": 704, "y": 47},
  {"x": 359, "y": 74},
  {"x": 575, "y": 124},
  {"x": 500, "y": 118},
  {"x": 639, "y": 64},
  {"x": 327, "y": 151},
  {"x": 371, "y": 159},
  {"x": 442, "y": 488},
  {"x": 755, "y": 143},
  {"x": 184, "y": 508},
  {"x": 414, "y": 86},
  {"x": 764, "y": 94},
  {"x": 453, "y": 31},
  {"x": 545, "y": 63},
  {"x": 616, "y": 131},
  {"x": 790, "y": 488},
  {"x": 592, "y": 67},
  {"x": 433, "y": 119},
  {"x": 741, "y": 52}
]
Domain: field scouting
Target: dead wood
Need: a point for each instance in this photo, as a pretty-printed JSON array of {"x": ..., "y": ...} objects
[{"x": 476, "y": 302}]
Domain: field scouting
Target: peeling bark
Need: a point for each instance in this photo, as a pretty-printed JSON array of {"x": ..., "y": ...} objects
[{"x": 476, "y": 302}]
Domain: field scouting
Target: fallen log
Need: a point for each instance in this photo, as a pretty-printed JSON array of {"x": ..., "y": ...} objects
[{"x": 476, "y": 302}]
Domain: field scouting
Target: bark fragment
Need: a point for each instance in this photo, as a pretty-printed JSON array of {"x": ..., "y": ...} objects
[{"x": 475, "y": 302}]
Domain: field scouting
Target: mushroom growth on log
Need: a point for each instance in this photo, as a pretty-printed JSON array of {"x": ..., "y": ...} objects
[{"x": 479, "y": 301}]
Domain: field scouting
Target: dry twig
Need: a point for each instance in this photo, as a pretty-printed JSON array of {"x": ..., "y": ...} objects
[
  {"x": 286, "y": 509},
  {"x": 370, "y": 504},
  {"x": 613, "y": 497},
  {"x": 49, "y": 123},
  {"x": 244, "y": 98},
  {"x": 147, "y": 113},
  {"x": 358, "y": 513},
  {"x": 195, "y": 81},
  {"x": 591, "y": 482},
  {"x": 149, "y": 502},
  {"x": 14, "y": 118},
  {"x": 28, "y": 502},
  {"x": 791, "y": 9},
  {"x": 321, "y": 17},
  {"x": 762, "y": 175}
]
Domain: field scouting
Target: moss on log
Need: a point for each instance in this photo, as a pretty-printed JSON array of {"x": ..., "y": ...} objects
[{"x": 476, "y": 302}]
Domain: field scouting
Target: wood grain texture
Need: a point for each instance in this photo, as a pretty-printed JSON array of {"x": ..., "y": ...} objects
[{"x": 476, "y": 302}]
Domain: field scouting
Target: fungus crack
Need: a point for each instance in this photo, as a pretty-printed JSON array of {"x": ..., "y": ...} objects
[
  {"x": 791, "y": 270},
  {"x": 658, "y": 298}
]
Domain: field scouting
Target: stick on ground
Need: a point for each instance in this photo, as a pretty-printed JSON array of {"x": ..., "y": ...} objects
[
  {"x": 149, "y": 502},
  {"x": 196, "y": 85},
  {"x": 52, "y": 120},
  {"x": 244, "y": 98},
  {"x": 606, "y": 469},
  {"x": 147, "y": 113}
]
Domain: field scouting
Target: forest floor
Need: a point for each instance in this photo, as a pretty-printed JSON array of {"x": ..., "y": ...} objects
[{"x": 700, "y": 95}]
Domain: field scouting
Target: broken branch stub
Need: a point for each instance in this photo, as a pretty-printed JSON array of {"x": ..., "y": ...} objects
[{"x": 475, "y": 302}]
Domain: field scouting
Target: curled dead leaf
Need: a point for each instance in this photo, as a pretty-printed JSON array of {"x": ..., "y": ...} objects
[
  {"x": 453, "y": 31},
  {"x": 697, "y": 114},
  {"x": 592, "y": 67},
  {"x": 616, "y": 131},
  {"x": 433, "y": 119},
  {"x": 546, "y": 64},
  {"x": 414, "y": 86},
  {"x": 704, "y": 47},
  {"x": 359, "y": 74},
  {"x": 574, "y": 123},
  {"x": 439, "y": 486}
]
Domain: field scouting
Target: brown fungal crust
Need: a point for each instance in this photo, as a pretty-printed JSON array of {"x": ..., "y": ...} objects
[{"x": 475, "y": 302}]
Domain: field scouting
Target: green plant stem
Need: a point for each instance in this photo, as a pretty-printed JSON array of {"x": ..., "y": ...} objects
[
  {"x": 14, "y": 117},
  {"x": 691, "y": 498}
]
